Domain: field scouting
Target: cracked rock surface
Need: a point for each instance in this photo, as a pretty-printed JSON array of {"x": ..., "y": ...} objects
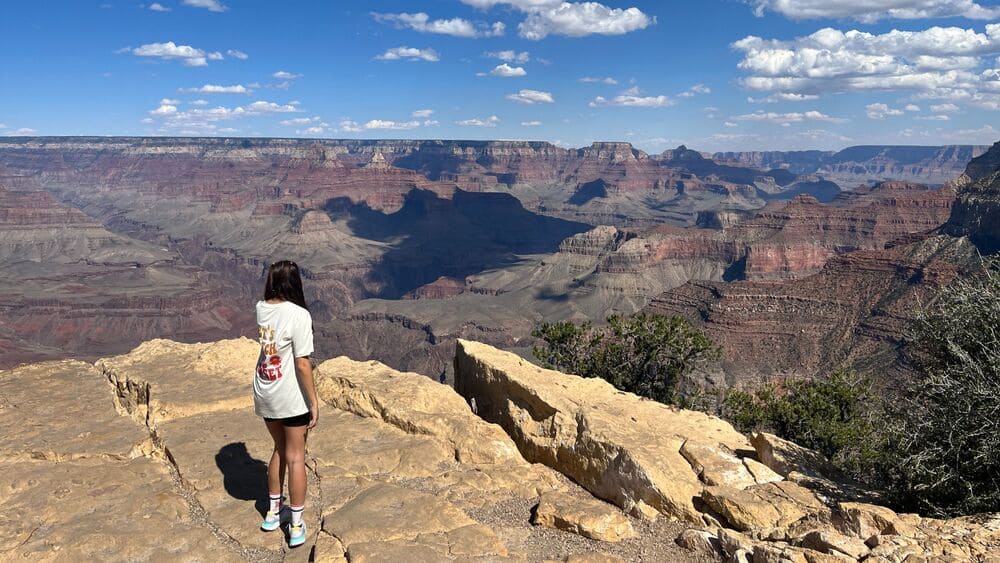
[{"x": 157, "y": 455}]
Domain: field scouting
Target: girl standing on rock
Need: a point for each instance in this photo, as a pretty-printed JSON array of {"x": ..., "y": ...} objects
[{"x": 284, "y": 392}]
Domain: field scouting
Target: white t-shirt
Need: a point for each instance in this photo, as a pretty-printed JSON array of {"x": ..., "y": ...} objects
[{"x": 285, "y": 331}]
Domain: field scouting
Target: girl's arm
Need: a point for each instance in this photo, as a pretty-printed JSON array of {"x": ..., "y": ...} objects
[{"x": 304, "y": 371}]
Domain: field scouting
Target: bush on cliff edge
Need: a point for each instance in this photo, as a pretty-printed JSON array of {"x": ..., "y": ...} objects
[
  {"x": 947, "y": 441},
  {"x": 646, "y": 354}
]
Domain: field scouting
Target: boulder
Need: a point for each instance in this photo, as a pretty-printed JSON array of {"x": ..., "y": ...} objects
[
  {"x": 587, "y": 517},
  {"x": 619, "y": 447},
  {"x": 700, "y": 541}
]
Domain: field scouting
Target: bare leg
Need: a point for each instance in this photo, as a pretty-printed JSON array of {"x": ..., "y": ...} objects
[
  {"x": 276, "y": 467},
  {"x": 295, "y": 457}
]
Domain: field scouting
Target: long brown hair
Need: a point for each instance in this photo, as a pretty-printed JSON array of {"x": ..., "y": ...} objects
[{"x": 285, "y": 283}]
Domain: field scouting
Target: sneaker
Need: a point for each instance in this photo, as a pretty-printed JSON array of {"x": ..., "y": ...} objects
[
  {"x": 272, "y": 521},
  {"x": 297, "y": 535}
]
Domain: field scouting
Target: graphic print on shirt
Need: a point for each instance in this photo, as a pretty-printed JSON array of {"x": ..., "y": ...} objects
[{"x": 270, "y": 362}]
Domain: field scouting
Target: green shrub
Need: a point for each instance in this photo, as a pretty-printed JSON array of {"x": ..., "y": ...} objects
[
  {"x": 947, "y": 443},
  {"x": 833, "y": 416},
  {"x": 646, "y": 354}
]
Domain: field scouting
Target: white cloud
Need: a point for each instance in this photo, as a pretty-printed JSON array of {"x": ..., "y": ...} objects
[
  {"x": 595, "y": 80},
  {"x": 783, "y": 97},
  {"x": 730, "y": 124},
  {"x": 199, "y": 103},
  {"x": 410, "y": 53},
  {"x": 422, "y": 113},
  {"x": 157, "y": 7},
  {"x": 787, "y": 118},
  {"x": 869, "y": 11},
  {"x": 217, "y": 89},
  {"x": 695, "y": 90},
  {"x": 214, "y": 56},
  {"x": 456, "y": 27},
  {"x": 912, "y": 107},
  {"x": 944, "y": 108},
  {"x": 578, "y": 19},
  {"x": 935, "y": 62},
  {"x": 490, "y": 121},
  {"x": 509, "y": 56},
  {"x": 530, "y": 123},
  {"x": 881, "y": 111},
  {"x": 531, "y": 97},
  {"x": 297, "y": 121},
  {"x": 210, "y": 5},
  {"x": 198, "y": 120},
  {"x": 507, "y": 71},
  {"x": 938, "y": 117},
  {"x": 169, "y": 50},
  {"x": 284, "y": 75},
  {"x": 23, "y": 131},
  {"x": 388, "y": 124},
  {"x": 348, "y": 126},
  {"x": 633, "y": 98},
  {"x": 236, "y": 54}
]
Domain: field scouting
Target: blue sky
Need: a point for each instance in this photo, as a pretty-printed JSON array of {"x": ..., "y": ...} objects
[{"x": 712, "y": 74}]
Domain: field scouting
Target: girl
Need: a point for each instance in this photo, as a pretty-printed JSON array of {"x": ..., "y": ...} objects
[{"x": 284, "y": 393}]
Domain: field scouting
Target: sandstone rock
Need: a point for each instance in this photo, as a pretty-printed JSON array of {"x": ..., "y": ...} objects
[
  {"x": 829, "y": 541},
  {"x": 576, "y": 426},
  {"x": 328, "y": 549},
  {"x": 784, "y": 457},
  {"x": 715, "y": 466},
  {"x": 761, "y": 473},
  {"x": 700, "y": 541},
  {"x": 862, "y": 520},
  {"x": 731, "y": 542},
  {"x": 584, "y": 516},
  {"x": 772, "y": 505}
]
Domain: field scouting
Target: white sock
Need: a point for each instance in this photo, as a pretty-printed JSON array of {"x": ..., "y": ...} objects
[
  {"x": 275, "y": 503},
  {"x": 297, "y": 515}
]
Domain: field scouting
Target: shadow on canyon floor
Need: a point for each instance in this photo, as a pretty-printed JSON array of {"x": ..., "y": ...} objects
[
  {"x": 244, "y": 477},
  {"x": 433, "y": 236}
]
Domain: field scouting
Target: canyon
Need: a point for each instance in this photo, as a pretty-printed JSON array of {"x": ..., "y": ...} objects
[{"x": 408, "y": 246}]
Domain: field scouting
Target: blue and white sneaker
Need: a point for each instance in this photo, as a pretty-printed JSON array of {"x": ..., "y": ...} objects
[
  {"x": 272, "y": 521},
  {"x": 297, "y": 535}
]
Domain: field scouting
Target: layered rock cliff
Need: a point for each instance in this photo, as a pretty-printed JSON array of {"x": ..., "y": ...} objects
[
  {"x": 977, "y": 209},
  {"x": 523, "y": 464}
]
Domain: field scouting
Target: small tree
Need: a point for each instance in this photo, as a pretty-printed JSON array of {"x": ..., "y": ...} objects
[
  {"x": 646, "y": 354},
  {"x": 948, "y": 442}
]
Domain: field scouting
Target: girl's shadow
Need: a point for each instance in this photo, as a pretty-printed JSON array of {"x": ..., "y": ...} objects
[{"x": 244, "y": 477}]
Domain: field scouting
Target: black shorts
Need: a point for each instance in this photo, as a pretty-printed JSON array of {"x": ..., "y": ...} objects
[{"x": 300, "y": 420}]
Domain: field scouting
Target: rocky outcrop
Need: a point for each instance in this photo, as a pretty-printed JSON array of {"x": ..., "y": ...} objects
[
  {"x": 977, "y": 208},
  {"x": 625, "y": 449}
]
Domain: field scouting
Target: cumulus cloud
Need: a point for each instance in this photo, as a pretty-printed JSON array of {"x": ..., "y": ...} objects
[
  {"x": 236, "y": 54},
  {"x": 937, "y": 117},
  {"x": 490, "y": 121},
  {"x": 199, "y": 121},
  {"x": 298, "y": 121},
  {"x": 217, "y": 89},
  {"x": 409, "y": 53},
  {"x": 578, "y": 19},
  {"x": 157, "y": 7},
  {"x": 531, "y": 97},
  {"x": 596, "y": 80},
  {"x": 530, "y": 123},
  {"x": 170, "y": 50},
  {"x": 388, "y": 124},
  {"x": 314, "y": 130},
  {"x": 507, "y": 71},
  {"x": 210, "y": 5},
  {"x": 22, "y": 132},
  {"x": 787, "y": 118},
  {"x": 783, "y": 97},
  {"x": 422, "y": 113},
  {"x": 509, "y": 56},
  {"x": 881, "y": 111},
  {"x": 868, "y": 11},
  {"x": 633, "y": 98},
  {"x": 348, "y": 126},
  {"x": 456, "y": 27},
  {"x": 284, "y": 75},
  {"x": 199, "y": 102},
  {"x": 937, "y": 63},
  {"x": 695, "y": 90},
  {"x": 944, "y": 108},
  {"x": 911, "y": 107}
]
